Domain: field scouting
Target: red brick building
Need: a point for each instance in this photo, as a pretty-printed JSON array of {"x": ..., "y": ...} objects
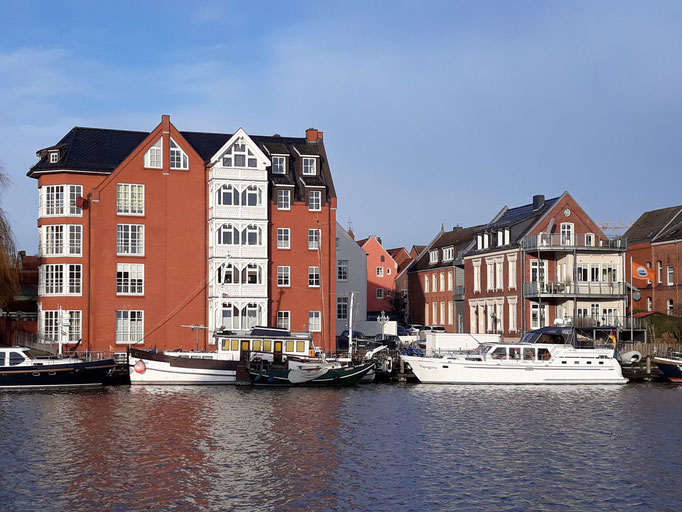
[
  {"x": 143, "y": 234},
  {"x": 655, "y": 240},
  {"x": 381, "y": 273},
  {"x": 540, "y": 262},
  {"x": 436, "y": 280}
]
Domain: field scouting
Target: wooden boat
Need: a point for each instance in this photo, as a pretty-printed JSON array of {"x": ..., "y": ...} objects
[
  {"x": 551, "y": 355},
  {"x": 264, "y": 373},
  {"x": 19, "y": 368},
  {"x": 670, "y": 366}
]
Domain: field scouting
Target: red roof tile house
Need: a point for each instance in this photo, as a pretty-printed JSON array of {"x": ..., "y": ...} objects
[
  {"x": 655, "y": 240},
  {"x": 543, "y": 262},
  {"x": 142, "y": 233}
]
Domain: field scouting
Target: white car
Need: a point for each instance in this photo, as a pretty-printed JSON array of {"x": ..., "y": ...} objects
[{"x": 414, "y": 329}]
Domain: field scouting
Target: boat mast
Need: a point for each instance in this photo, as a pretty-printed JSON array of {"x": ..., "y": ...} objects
[{"x": 350, "y": 327}]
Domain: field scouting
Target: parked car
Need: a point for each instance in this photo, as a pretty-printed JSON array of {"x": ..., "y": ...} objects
[
  {"x": 402, "y": 331},
  {"x": 414, "y": 329},
  {"x": 390, "y": 340},
  {"x": 342, "y": 339},
  {"x": 433, "y": 328}
]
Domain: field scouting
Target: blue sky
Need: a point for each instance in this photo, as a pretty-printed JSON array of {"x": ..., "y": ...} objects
[{"x": 433, "y": 112}]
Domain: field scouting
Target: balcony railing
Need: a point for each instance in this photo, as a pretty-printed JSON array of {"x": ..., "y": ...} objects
[
  {"x": 571, "y": 289},
  {"x": 557, "y": 241},
  {"x": 623, "y": 322}
]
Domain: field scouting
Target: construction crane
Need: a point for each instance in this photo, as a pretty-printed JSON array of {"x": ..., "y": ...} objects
[{"x": 615, "y": 226}]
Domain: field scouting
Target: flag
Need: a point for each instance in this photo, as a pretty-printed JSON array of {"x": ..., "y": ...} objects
[
  {"x": 612, "y": 337},
  {"x": 640, "y": 271}
]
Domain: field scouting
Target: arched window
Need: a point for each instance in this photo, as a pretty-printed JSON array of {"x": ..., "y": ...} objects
[
  {"x": 230, "y": 317},
  {"x": 251, "y": 315},
  {"x": 227, "y": 274},
  {"x": 252, "y": 235},
  {"x": 252, "y": 274},
  {"x": 252, "y": 196},
  {"x": 228, "y": 235},
  {"x": 227, "y": 195}
]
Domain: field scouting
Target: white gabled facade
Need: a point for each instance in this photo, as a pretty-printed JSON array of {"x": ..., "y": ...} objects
[
  {"x": 351, "y": 276},
  {"x": 238, "y": 235}
]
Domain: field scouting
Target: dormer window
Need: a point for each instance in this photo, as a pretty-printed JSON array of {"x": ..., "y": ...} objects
[
  {"x": 448, "y": 254},
  {"x": 54, "y": 157},
  {"x": 153, "y": 156},
  {"x": 178, "y": 158},
  {"x": 309, "y": 166},
  {"x": 433, "y": 256},
  {"x": 279, "y": 165}
]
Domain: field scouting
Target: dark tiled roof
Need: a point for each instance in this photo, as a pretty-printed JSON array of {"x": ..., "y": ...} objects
[
  {"x": 459, "y": 239},
  {"x": 276, "y": 148},
  {"x": 102, "y": 150},
  {"x": 307, "y": 149},
  {"x": 90, "y": 149},
  {"x": 654, "y": 225},
  {"x": 312, "y": 181},
  {"x": 281, "y": 179},
  {"x": 362, "y": 242}
]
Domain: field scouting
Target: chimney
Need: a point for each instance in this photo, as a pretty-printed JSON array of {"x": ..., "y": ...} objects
[
  {"x": 538, "y": 201},
  {"x": 351, "y": 234},
  {"x": 312, "y": 135}
]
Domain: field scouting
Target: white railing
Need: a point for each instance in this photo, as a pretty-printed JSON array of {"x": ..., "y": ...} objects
[
  {"x": 576, "y": 240},
  {"x": 562, "y": 288}
]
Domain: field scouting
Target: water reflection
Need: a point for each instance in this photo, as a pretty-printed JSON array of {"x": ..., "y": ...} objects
[{"x": 368, "y": 448}]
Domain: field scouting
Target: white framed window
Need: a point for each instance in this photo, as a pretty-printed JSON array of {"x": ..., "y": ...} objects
[
  {"x": 434, "y": 313},
  {"x": 129, "y": 326},
  {"x": 499, "y": 273},
  {"x": 451, "y": 312},
  {"x": 450, "y": 281},
  {"x": 284, "y": 319},
  {"x": 342, "y": 308},
  {"x": 238, "y": 155},
  {"x": 283, "y": 276},
  {"x": 129, "y": 279},
  {"x": 512, "y": 317},
  {"x": 380, "y": 271},
  {"x": 178, "y": 158},
  {"x": 61, "y": 240},
  {"x": 442, "y": 313},
  {"x": 153, "y": 158},
  {"x": 388, "y": 271},
  {"x": 659, "y": 272},
  {"x": 252, "y": 196},
  {"x": 61, "y": 279},
  {"x": 227, "y": 195},
  {"x": 314, "y": 321},
  {"x": 566, "y": 233},
  {"x": 426, "y": 283},
  {"x": 649, "y": 305},
  {"x": 448, "y": 254},
  {"x": 313, "y": 277},
  {"x": 511, "y": 267},
  {"x": 589, "y": 239},
  {"x": 609, "y": 272},
  {"x": 433, "y": 256},
  {"x": 477, "y": 275},
  {"x": 283, "y": 199},
  {"x": 315, "y": 200},
  {"x": 442, "y": 281},
  {"x": 313, "y": 239},
  {"x": 228, "y": 234},
  {"x": 309, "y": 165},
  {"x": 671, "y": 275},
  {"x": 60, "y": 201},
  {"x": 252, "y": 274},
  {"x": 129, "y": 199},
  {"x": 380, "y": 293},
  {"x": 434, "y": 282},
  {"x": 283, "y": 238},
  {"x": 130, "y": 239},
  {"x": 50, "y": 326},
  {"x": 252, "y": 235},
  {"x": 279, "y": 165},
  {"x": 342, "y": 270},
  {"x": 54, "y": 157},
  {"x": 490, "y": 275},
  {"x": 426, "y": 314}
]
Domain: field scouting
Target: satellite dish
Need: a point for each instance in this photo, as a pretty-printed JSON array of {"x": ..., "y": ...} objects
[{"x": 636, "y": 294}]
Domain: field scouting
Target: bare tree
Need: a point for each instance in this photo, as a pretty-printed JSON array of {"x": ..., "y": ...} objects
[{"x": 9, "y": 268}]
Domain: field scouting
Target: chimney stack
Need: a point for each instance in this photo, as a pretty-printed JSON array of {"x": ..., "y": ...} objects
[
  {"x": 538, "y": 201},
  {"x": 312, "y": 135}
]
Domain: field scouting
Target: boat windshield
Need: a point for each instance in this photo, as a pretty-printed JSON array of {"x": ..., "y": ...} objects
[{"x": 482, "y": 349}]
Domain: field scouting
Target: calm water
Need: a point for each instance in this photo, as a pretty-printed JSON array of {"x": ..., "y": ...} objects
[{"x": 376, "y": 447}]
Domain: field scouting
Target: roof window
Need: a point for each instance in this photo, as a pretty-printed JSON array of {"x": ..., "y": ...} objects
[{"x": 54, "y": 157}]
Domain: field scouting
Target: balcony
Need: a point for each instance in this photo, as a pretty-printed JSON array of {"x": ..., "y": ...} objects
[
  {"x": 238, "y": 251},
  {"x": 570, "y": 289},
  {"x": 222, "y": 173},
  {"x": 583, "y": 242},
  {"x": 238, "y": 290},
  {"x": 238, "y": 212},
  {"x": 458, "y": 293},
  {"x": 608, "y": 321}
]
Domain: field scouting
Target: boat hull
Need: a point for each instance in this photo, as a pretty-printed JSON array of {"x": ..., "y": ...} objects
[
  {"x": 463, "y": 371},
  {"x": 670, "y": 368},
  {"x": 334, "y": 377},
  {"x": 153, "y": 368},
  {"x": 67, "y": 374}
]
